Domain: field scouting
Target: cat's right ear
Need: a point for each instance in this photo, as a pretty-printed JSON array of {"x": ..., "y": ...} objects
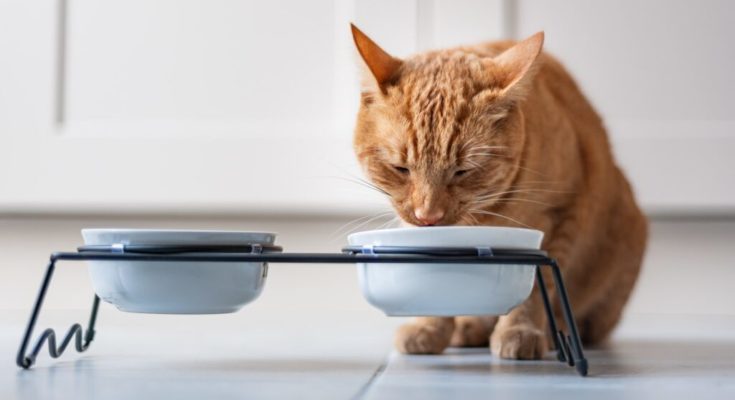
[
  {"x": 516, "y": 66},
  {"x": 383, "y": 67}
]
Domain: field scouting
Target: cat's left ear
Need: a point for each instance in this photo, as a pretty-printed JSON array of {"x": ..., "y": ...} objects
[
  {"x": 516, "y": 66},
  {"x": 383, "y": 67}
]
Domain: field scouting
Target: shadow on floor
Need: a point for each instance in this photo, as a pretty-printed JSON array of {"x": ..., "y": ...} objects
[{"x": 623, "y": 358}]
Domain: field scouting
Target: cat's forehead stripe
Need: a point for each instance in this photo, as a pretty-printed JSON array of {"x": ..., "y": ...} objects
[{"x": 437, "y": 102}]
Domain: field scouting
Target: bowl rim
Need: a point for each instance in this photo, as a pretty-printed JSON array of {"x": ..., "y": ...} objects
[
  {"x": 448, "y": 227},
  {"x": 153, "y": 230}
]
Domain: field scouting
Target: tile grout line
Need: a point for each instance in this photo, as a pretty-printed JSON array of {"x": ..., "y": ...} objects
[{"x": 366, "y": 387}]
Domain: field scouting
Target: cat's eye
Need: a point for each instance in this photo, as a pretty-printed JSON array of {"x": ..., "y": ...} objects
[
  {"x": 401, "y": 170},
  {"x": 460, "y": 172}
]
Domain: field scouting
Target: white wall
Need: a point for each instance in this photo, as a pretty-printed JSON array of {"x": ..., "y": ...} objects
[{"x": 247, "y": 106}]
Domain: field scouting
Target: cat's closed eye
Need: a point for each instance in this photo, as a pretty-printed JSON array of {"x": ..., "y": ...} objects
[{"x": 401, "y": 170}]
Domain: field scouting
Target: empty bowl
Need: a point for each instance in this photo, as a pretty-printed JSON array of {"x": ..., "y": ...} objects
[
  {"x": 164, "y": 287},
  {"x": 447, "y": 289}
]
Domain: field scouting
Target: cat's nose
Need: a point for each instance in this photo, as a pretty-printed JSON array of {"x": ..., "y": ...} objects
[{"x": 428, "y": 217}]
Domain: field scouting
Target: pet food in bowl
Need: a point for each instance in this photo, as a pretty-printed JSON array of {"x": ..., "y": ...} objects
[
  {"x": 447, "y": 289},
  {"x": 166, "y": 287}
]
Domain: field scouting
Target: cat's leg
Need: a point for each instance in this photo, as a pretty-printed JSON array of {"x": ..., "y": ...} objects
[
  {"x": 425, "y": 335},
  {"x": 522, "y": 333},
  {"x": 597, "y": 325},
  {"x": 623, "y": 259},
  {"x": 605, "y": 311},
  {"x": 472, "y": 331}
]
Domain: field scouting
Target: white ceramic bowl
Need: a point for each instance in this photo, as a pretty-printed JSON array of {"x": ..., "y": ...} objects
[
  {"x": 163, "y": 287},
  {"x": 447, "y": 289}
]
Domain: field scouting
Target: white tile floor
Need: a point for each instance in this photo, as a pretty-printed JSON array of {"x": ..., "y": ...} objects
[
  {"x": 243, "y": 355},
  {"x": 651, "y": 357},
  {"x": 255, "y": 356},
  {"x": 312, "y": 336}
]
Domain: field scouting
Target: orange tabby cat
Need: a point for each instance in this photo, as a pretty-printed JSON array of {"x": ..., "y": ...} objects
[{"x": 499, "y": 134}]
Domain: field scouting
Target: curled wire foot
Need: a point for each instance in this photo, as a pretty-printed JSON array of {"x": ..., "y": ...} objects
[
  {"x": 82, "y": 340},
  {"x": 81, "y": 343}
]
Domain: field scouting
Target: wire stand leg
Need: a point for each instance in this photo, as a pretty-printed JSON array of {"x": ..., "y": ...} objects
[
  {"x": 26, "y": 360},
  {"x": 561, "y": 355},
  {"x": 572, "y": 343}
]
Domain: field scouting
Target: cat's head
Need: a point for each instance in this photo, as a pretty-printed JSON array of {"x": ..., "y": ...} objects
[{"x": 441, "y": 132}]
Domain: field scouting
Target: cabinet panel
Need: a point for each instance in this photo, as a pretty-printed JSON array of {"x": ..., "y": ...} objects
[
  {"x": 652, "y": 59},
  {"x": 220, "y": 60},
  {"x": 660, "y": 73}
]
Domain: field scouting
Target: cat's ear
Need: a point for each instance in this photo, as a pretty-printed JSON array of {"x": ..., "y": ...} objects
[
  {"x": 517, "y": 66},
  {"x": 382, "y": 65}
]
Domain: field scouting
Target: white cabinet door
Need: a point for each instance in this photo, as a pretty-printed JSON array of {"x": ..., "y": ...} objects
[
  {"x": 183, "y": 105},
  {"x": 661, "y": 74}
]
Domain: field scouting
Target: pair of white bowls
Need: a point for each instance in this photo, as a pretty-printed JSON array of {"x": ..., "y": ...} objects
[{"x": 397, "y": 289}]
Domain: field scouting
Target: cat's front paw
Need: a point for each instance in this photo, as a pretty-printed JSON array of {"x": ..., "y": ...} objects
[
  {"x": 519, "y": 342},
  {"x": 421, "y": 339}
]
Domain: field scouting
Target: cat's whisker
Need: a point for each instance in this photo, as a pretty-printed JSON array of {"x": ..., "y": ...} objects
[
  {"x": 355, "y": 228},
  {"x": 466, "y": 217},
  {"x": 489, "y": 147},
  {"x": 516, "y": 199},
  {"x": 374, "y": 186},
  {"x": 473, "y": 146},
  {"x": 384, "y": 224},
  {"x": 359, "y": 181},
  {"x": 532, "y": 189},
  {"x": 483, "y": 155},
  {"x": 484, "y": 212},
  {"x": 533, "y": 171},
  {"x": 388, "y": 224},
  {"x": 545, "y": 182},
  {"x": 527, "y": 191},
  {"x": 339, "y": 230},
  {"x": 369, "y": 185},
  {"x": 537, "y": 182},
  {"x": 537, "y": 188},
  {"x": 342, "y": 229}
]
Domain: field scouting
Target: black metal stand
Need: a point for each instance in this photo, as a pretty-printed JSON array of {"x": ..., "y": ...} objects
[
  {"x": 568, "y": 346},
  {"x": 81, "y": 344}
]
